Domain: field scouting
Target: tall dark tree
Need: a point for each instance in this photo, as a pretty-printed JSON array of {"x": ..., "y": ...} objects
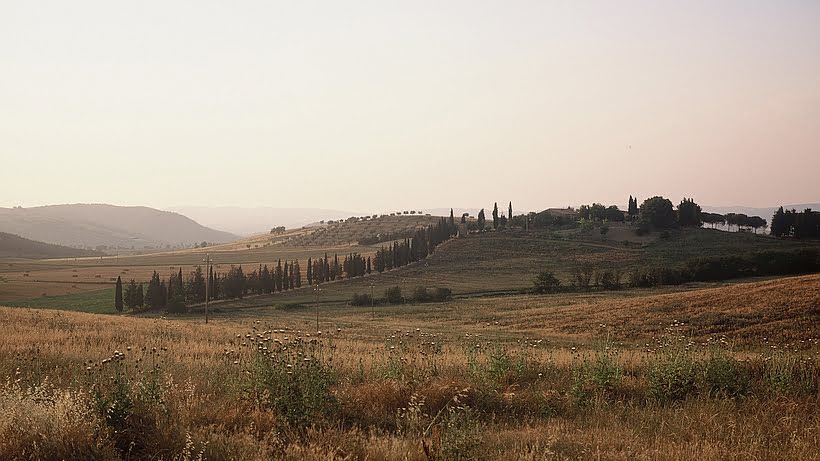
[
  {"x": 689, "y": 213},
  {"x": 155, "y": 296},
  {"x": 195, "y": 288},
  {"x": 129, "y": 294},
  {"x": 212, "y": 282},
  {"x": 310, "y": 272},
  {"x": 118, "y": 295},
  {"x": 140, "y": 301},
  {"x": 481, "y": 220},
  {"x": 657, "y": 212},
  {"x": 779, "y": 227},
  {"x": 495, "y": 215},
  {"x": 632, "y": 209},
  {"x": 509, "y": 213},
  {"x": 278, "y": 276}
]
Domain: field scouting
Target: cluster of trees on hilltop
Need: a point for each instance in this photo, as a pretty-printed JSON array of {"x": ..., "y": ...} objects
[
  {"x": 598, "y": 212},
  {"x": 658, "y": 212},
  {"x": 790, "y": 223},
  {"x": 422, "y": 244},
  {"x": 739, "y": 220}
]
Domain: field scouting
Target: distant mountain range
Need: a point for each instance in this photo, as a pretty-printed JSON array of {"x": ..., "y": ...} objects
[
  {"x": 97, "y": 225},
  {"x": 14, "y": 246}
]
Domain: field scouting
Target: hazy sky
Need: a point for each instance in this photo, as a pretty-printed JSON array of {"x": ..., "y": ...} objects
[{"x": 390, "y": 105}]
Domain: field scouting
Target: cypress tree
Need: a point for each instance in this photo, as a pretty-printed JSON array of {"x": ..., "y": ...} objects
[
  {"x": 118, "y": 295},
  {"x": 278, "y": 281},
  {"x": 495, "y": 215},
  {"x": 368, "y": 265},
  {"x": 140, "y": 296},
  {"x": 509, "y": 214},
  {"x": 309, "y": 272}
]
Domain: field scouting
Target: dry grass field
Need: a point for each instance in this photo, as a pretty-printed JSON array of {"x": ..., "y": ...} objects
[{"x": 638, "y": 374}]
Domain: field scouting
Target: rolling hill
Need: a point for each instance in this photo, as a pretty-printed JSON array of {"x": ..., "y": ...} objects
[
  {"x": 99, "y": 225},
  {"x": 14, "y": 246},
  {"x": 248, "y": 221}
]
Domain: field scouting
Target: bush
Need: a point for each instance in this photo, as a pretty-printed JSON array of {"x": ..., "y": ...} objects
[
  {"x": 610, "y": 280},
  {"x": 656, "y": 276},
  {"x": 176, "y": 305},
  {"x": 786, "y": 262},
  {"x": 673, "y": 378},
  {"x": 642, "y": 228},
  {"x": 723, "y": 376},
  {"x": 420, "y": 295},
  {"x": 361, "y": 300},
  {"x": 393, "y": 295},
  {"x": 442, "y": 294},
  {"x": 546, "y": 282},
  {"x": 295, "y": 382},
  {"x": 424, "y": 295},
  {"x": 719, "y": 268}
]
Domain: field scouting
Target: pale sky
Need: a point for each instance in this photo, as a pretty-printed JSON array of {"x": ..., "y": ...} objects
[{"x": 373, "y": 105}]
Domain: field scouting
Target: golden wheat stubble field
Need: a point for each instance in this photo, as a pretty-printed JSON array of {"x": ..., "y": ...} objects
[{"x": 635, "y": 375}]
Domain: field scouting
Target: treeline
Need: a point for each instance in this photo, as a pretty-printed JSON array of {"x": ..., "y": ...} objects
[
  {"x": 701, "y": 269},
  {"x": 326, "y": 270},
  {"x": 421, "y": 245},
  {"x": 790, "y": 223},
  {"x": 739, "y": 220},
  {"x": 393, "y": 295}
]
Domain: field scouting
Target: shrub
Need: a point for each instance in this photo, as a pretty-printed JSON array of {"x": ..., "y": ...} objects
[
  {"x": 176, "y": 305},
  {"x": 393, "y": 295},
  {"x": 420, "y": 295},
  {"x": 294, "y": 381},
  {"x": 791, "y": 374},
  {"x": 425, "y": 295},
  {"x": 546, "y": 282},
  {"x": 610, "y": 280},
  {"x": 719, "y": 268},
  {"x": 361, "y": 299},
  {"x": 786, "y": 262},
  {"x": 442, "y": 294},
  {"x": 581, "y": 276},
  {"x": 642, "y": 228},
  {"x": 672, "y": 378},
  {"x": 723, "y": 376}
]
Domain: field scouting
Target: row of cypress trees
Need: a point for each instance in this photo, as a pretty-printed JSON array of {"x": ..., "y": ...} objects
[{"x": 421, "y": 245}]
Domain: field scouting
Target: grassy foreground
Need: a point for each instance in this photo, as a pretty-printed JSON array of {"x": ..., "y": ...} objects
[{"x": 418, "y": 382}]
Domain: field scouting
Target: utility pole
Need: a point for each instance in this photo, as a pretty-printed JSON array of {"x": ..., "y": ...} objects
[{"x": 207, "y": 262}]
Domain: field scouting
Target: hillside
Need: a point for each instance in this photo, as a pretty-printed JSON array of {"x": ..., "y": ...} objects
[
  {"x": 508, "y": 261},
  {"x": 779, "y": 310},
  {"x": 339, "y": 233},
  {"x": 93, "y": 225},
  {"x": 249, "y": 221},
  {"x": 14, "y": 246}
]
